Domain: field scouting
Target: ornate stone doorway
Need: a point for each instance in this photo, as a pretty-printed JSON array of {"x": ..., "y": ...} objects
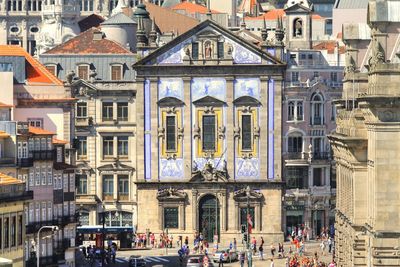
[{"x": 209, "y": 217}]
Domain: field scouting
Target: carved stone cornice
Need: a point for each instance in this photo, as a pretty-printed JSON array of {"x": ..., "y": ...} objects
[
  {"x": 241, "y": 195},
  {"x": 171, "y": 194}
]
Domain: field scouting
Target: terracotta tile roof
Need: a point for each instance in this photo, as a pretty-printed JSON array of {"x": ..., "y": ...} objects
[
  {"x": 59, "y": 142},
  {"x": 84, "y": 44},
  {"x": 35, "y": 71},
  {"x": 4, "y": 134},
  {"x": 89, "y": 22},
  {"x": 330, "y": 46},
  {"x": 275, "y": 13},
  {"x": 191, "y": 8},
  {"x": 39, "y": 131},
  {"x": 168, "y": 20},
  {"x": 2, "y": 105},
  {"x": 7, "y": 180}
]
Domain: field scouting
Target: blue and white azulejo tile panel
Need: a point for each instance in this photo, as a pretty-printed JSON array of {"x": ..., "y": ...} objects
[
  {"x": 170, "y": 87},
  {"x": 215, "y": 87},
  {"x": 247, "y": 87}
]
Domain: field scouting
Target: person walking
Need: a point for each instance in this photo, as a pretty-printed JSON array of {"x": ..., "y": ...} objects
[
  {"x": 272, "y": 263},
  {"x": 329, "y": 244},
  {"x": 261, "y": 251},
  {"x": 241, "y": 259},
  {"x": 273, "y": 249},
  {"x": 322, "y": 246},
  {"x": 234, "y": 244},
  {"x": 113, "y": 253},
  {"x": 221, "y": 260}
]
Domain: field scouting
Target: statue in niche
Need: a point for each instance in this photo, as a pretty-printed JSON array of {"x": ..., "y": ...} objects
[
  {"x": 298, "y": 28},
  {"x": 208, "y": 50}
]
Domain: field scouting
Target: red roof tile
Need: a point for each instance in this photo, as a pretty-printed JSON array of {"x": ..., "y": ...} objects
[
  {"x": 168, "y": 20},
  {"x": 39, "y": 131},
  {"x": 35, "y": 71},
  {"x": 329, "y": 46},
  {"x": 275, "y": 13},
  {"x": 2, "y": 105},
  {"x": 191, "y": 8},
  {"x": 84, "y": 44},
  {"x": 59, "y": 142}
]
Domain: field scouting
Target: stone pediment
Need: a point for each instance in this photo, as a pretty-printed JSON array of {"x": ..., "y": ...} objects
[
  {"x": 83, "y": 88},
  {"x": 209, "y": 174},
  {"x": 209, "y": 101},
  {"x": 115, "y": 166},
  {"x": 241, "y": 195},
  {"x": 171, "y": 194},
  {"x": 246, "y": 101},
  {"x": 170, "y": 101},
  {"x": 297, "y": 8}
]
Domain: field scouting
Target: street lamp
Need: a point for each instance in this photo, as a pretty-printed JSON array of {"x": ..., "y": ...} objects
[
  {"x": 103, "y": 215},
  {"x": 53, "y": 228},
  {"x": 249, "y": 254}
]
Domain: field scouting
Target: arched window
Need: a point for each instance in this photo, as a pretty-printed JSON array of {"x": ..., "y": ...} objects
[
  {"x": 297, "y": 27},
  {"x": 317, "y": 109}
]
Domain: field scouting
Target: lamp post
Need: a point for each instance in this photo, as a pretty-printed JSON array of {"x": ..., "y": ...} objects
[
  {"x": 53, "y": 228},
  {"x": 216, "y": 218},
  {"x": 249, "y": 254},
  {"x": 103, "y": 216}
]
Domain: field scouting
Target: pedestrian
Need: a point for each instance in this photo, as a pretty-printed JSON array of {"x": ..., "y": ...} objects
[
  {"x": 332, "y": 264},
  {"x": 322, "y": 246},
  {"x": 272, "y": 263},
  {"x": 281, "y": 250},
  {"x": 330, "y": 244},
  {"x": 113, "y": 253},
  {"x": 254, "y": 244},
  {"x": 261, "y": 250},
  {"x": 234, "y": 244},
  {"x": 273, "y": 249},
  {"x": 221, "y": 260},
  {"x": 186, "y": 240}
]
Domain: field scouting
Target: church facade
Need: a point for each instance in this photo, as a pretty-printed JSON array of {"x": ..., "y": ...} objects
[{"x": 209, "y": 121}]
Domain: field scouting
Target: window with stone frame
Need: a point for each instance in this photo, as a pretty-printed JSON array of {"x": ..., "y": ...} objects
[
  {"x": 108, "y": 146},
  {"x": 296, "y": 177},
  {"x": 123, "y": 187},
  {"x": 108, "y": 186},
  {"x": 82, "y": 184},
  {"x": 170, "y": 133},
  {"x": 291, "y": 108},
  {"x": 107, "y": 111},
  {"x": 122, "y": 111},
  {"x": 81, "y": 110},
  {"x": 209, "y": 132},
  {"x": 318, "y": 177},
  {"x": 116, "y": 72},
  {"x": 82, "y": 147},
  {"x": 52, "y": 69},
  {"x": 247, "y": 132},
  {"x": 295, "y": 144},
  {"x": 243, "y": 216},
  {"x": 171, "y": 217},
  {"x": 123, "y": 146},
  {"x": 83, "y": 72}
]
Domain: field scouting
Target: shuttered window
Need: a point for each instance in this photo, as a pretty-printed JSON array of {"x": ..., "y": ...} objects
[
  {"x": 116, "y": 72},
  {"x": 171, "y": 133},
  {"x": 83, "y": 72},
  {"x": 195, "y": 50},
  {"x": 209, "y": 132},
  {"x": 246, "y": 132}
]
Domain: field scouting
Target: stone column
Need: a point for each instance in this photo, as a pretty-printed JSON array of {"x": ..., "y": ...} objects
[
  {"x": 182, "y": 216},
  {"x": 223, "y": 210},
  {"x": 140, "y": 129},
  {"x": 187, "y": 138},
  {"x": 115, "y": 185},
  {"x": 263, "y": 120},
  {"x": 258, "y": 217},
  {"x": 194, "y": 210},
  {"x": 154, "y": 128},
  {"x": 230, "y": 123},
  {"x": 236, "y": 216}
]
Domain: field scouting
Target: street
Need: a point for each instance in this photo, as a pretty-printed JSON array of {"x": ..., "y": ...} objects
[{"x": 163, "y": 258}]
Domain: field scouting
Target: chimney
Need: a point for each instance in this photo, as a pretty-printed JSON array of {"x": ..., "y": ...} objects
[{"x": 97, "y": 35}]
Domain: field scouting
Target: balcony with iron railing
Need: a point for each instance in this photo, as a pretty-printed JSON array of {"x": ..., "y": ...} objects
[
  {"x": 48, "y": 154},
  {"x": 320, "y": 155},
  {"x": 25, "y": 162}
]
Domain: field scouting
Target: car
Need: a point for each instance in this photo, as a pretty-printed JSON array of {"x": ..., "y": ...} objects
[
  {"x": 228, "y": 255},
  {"x": 137, "y": 261},
  {"x": 195, "y": 261}
]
